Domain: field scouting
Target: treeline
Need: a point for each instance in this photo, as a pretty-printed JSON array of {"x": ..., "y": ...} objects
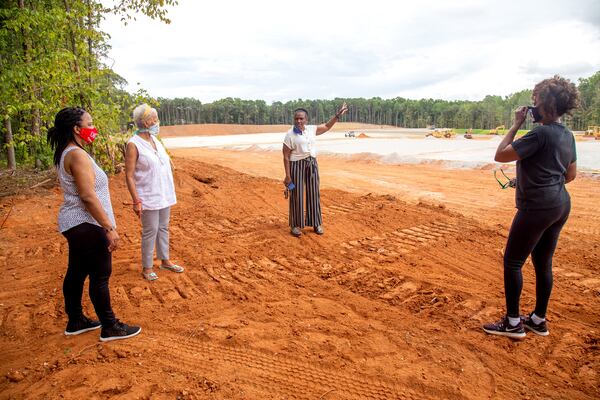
[
  {"x": 490, "y": 112},
  {"x": 53, "y": 52},
  {"x": 52, "y": 55}
]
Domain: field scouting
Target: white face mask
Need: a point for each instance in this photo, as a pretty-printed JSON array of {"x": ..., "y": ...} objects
[{"x": 154, "y": 129}]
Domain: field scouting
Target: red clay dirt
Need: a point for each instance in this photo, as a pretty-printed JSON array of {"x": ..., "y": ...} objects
[{"x": 387, "y": 304}]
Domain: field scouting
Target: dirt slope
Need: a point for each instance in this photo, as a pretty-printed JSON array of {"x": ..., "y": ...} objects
[
  {"x": 387, "y": 304},
  {"x": 235, "y": 129}
]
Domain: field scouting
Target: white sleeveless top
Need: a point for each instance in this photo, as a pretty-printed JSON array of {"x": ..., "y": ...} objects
[
  {"x": 73, "y": 212},
  {"x": 153, "y": 176},
  {"x": 302, "y": 145}
]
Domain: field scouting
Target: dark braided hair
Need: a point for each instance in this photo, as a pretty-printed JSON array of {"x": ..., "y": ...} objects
[
  {"x": 557, "y": 95},
  {"x": 61, "y": 133}
]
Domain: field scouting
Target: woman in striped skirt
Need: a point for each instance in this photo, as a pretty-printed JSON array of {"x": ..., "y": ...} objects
[{"x": 302, "y": 170}]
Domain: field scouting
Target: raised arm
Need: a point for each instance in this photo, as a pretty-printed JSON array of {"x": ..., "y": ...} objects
[
  {"x": 321, "y": 129},
  {"x": 505, "y": 151}
]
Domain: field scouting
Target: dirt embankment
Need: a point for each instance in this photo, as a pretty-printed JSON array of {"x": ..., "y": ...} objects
[
  {"x": 236, "y": 129},
  {"x": 387, "y": 304}
]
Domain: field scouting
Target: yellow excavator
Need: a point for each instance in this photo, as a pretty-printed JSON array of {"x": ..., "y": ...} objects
[{"x": 497, "y": 130}]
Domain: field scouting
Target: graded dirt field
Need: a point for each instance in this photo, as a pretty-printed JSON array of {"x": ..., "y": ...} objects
[{"x": 388, "y": 304}]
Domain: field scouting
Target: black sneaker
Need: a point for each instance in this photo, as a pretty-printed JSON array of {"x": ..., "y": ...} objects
[
  {"x": 504, "y": 328},
  {"x": 119, "y": 331},
  {"x": 81, "y": 325},
  {"x": 539, "y": 329}
]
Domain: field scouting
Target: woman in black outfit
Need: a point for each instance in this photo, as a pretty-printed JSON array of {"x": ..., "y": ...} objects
[
  {"x": 546, "y": 161},
  {"x": 87, "y": 221}
]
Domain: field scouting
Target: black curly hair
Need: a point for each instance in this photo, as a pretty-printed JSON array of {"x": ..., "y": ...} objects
[
  {"x": 61, "y": 133},
  {"x": 557, "y": 95},
  {"x": 300, "y": 109}
]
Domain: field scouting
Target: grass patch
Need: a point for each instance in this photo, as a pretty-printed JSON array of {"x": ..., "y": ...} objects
[{"x": 461, "y": 131}]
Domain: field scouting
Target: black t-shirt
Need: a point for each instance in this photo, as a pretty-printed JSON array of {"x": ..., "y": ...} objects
[{"x": 545, "y": 153}]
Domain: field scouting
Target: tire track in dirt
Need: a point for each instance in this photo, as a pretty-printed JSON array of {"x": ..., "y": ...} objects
[
  {"x": 308, "y": 317},
  {"x": 271, "y": 373},
  {"x": 402, "y": 241},
  {"x": 397, "y": 282},
  {"x": 337, "y": 209}
]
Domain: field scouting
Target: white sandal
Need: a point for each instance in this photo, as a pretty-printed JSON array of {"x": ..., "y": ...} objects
[{"x": 174, "y": 268}]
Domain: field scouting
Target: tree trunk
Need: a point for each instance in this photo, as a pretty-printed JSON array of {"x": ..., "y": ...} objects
[
  {"x": 90, "y": 58},
  {"x": 112, "y": 157},
  {"x": 75, "y": 67},
  {"x": 35, "y": 130},
  {"x": 10, "y": 147},
  {"x": 35, "y": 117}
]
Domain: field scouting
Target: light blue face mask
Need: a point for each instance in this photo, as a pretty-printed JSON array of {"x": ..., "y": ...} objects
[{"x": 154, "y": 129}]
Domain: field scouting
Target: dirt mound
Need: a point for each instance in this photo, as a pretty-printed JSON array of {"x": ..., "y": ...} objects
[
  {"x": 387, "y": 304},
  {"x": 362, "y": 135}
]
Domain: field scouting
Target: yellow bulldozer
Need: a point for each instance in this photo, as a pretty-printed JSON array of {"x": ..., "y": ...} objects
[
  {"x": 497, "y": 130},
  {"x": 593, "y": 130},
  {"x": 441, "y": 133}
]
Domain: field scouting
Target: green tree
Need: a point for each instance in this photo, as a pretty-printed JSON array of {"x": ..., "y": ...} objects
[{"x": 51, "y": 56}]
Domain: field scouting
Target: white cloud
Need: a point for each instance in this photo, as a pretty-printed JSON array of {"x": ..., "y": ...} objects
[{"x": 275, "y": 50}]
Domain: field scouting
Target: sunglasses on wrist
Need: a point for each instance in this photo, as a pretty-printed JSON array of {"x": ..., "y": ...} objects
[{"x": 512, "y": 183}]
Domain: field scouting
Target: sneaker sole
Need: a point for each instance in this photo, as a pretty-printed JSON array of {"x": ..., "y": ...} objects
[
  {"x": 536, "y": 331},
  {"x": 79, "y": 332},
  {"x": 511, "y": 335},
  {"x": 108, "y": 339}
]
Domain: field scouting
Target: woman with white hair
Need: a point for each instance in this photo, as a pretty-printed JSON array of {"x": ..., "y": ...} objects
[{"x": 150, "y": 182}]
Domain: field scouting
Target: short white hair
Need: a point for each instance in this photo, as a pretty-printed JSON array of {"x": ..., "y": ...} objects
[{"x": 142, "y": 113}]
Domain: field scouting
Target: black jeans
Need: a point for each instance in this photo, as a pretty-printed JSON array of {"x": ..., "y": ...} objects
[
  {"x": 532, "y": 232},
  {"x": 88, "y": 255}
]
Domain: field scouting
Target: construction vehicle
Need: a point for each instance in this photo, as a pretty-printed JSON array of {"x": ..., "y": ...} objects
[
  {"x": 593, "y": 130},
  {"x": 497, "y": 130},
  {"x": 447, "y": 133},
  {"x": 441, "y": 133},
  {"x": 469, "y": 133}
]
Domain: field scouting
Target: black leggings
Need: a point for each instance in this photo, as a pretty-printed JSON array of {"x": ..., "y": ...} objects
[
  {"x": 532, "y": 232},
  {"x": 88, "y": 255}
]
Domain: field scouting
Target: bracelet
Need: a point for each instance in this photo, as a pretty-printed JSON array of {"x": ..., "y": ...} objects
[{"x": 137, "y": 202}]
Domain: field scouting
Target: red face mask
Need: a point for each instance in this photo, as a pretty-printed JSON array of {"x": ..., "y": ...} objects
[{"x": 88, "y": 134}]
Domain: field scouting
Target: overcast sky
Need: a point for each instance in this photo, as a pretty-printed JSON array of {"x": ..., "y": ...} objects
[{"x": 278, "y": 50}]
